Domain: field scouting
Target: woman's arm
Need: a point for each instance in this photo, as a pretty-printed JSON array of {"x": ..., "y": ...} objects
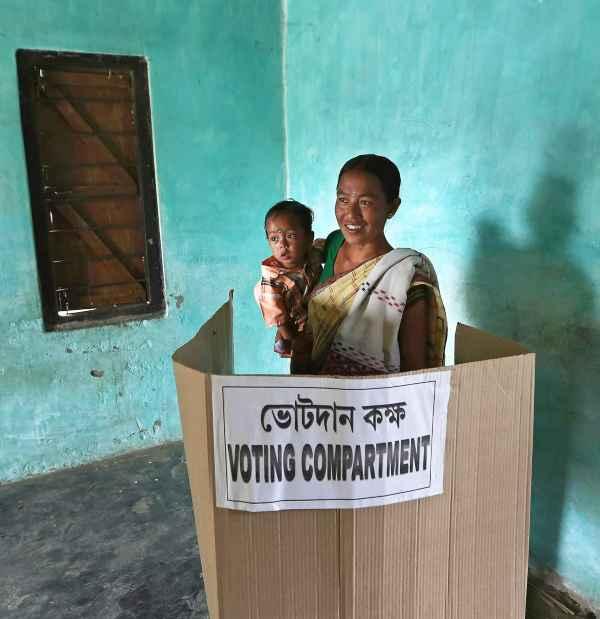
[{"x": 412, "y": 337}]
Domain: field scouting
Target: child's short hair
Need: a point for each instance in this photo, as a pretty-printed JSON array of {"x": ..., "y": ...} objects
[{"x": 292, "y": 207}]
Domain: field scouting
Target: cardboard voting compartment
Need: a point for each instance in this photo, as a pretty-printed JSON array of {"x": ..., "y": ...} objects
[{"x": 461, "y": 554}]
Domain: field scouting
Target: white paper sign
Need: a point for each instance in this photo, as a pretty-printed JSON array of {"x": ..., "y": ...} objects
[{"x": 286, "y": 442}]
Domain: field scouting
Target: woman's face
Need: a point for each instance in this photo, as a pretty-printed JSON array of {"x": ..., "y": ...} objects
[{"x": 362, "y": 208}]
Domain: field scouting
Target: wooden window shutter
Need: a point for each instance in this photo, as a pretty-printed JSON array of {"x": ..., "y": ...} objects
[{"x": 88, "y": 143}]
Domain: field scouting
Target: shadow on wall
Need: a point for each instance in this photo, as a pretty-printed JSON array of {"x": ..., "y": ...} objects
[{"x": 538, "y": 295}]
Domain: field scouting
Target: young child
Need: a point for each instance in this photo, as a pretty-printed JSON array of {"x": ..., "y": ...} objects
[{"x": 289, "y": 274}]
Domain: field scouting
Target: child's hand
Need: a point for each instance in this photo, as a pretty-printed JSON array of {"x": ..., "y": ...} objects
[
  {"x": 283, "y": 341},
  {"x": 283, "y": 348},
  {"x": 285, "y": 332}
]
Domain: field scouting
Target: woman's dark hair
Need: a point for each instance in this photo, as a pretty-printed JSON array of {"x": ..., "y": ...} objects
[
  {"x": 291, "y": 207},
  {"x": 385, "y": 170}
]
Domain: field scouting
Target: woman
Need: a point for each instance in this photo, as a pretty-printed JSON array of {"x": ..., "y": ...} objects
[{"x": 377, "y": 309}]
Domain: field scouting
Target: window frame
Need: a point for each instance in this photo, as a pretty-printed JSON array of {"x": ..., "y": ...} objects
[{"x": 29, "y": 61}]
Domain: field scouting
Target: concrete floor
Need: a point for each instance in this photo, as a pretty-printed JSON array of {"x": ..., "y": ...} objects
[{"x": 113, "y": 540}]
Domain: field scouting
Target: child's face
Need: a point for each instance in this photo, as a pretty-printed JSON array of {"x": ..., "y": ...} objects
[{"x": 288, "y": 240}]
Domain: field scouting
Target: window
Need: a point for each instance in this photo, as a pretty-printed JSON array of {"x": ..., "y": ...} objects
[{"x": 88, "y": 143}]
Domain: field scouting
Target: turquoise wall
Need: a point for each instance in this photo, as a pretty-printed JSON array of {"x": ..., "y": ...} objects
[
  {"x": 215, "y": 72},
  {"x": 490, "y": 110}
]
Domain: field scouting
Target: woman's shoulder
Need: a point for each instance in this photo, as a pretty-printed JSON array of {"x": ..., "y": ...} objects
[
  {"x": 409, "y": 252},
  {"x": 424, "y": 271}
]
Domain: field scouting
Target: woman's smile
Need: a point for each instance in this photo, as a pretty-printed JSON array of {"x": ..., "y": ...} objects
[{"x": 362, "y": 209}]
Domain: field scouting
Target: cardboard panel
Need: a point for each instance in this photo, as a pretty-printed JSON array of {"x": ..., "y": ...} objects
[
  {"x": 210, "y": 350},
  {"x": 489, "y": 520},
  {"x": 279, "y": 564},
  {"x": 433, "y": 534},
  {"x": 310, "y": 545},
  {"x": 402, "y": 550},
  {"x": 254, "y": 565},
  {"x": 463, "y": 554},
  {"x": 348, "y": 585},
  {"x": 460, "y": 555},
  {"x": 472, "y": 344}
]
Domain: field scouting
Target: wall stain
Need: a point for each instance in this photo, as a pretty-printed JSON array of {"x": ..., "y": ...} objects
[{"x": 179, "y": 298}]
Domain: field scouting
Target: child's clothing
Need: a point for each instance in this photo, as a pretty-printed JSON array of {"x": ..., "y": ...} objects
[{"x": 282, "y": 294}]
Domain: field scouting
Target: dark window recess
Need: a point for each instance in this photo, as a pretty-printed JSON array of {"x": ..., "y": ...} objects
[{"x": 88, "y": 143}]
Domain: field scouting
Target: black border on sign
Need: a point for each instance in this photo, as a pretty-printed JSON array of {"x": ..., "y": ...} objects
[{"x": 376, "y": 496}]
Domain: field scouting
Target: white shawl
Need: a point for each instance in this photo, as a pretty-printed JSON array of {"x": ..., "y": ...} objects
[{"x": 369, "y": 333}]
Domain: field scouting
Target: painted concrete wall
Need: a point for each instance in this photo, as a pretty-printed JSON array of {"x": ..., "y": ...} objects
[
  {"x": 491, "y": 111},
  {"x": 215, "y": 72},
  {"x": 488, "y": 107}
]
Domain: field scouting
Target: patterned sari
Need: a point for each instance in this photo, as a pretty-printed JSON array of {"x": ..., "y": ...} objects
[{"x": 354, "y": 318}]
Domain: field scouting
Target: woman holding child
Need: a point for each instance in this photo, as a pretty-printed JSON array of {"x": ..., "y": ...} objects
[{"x": 375, "y": 309}]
